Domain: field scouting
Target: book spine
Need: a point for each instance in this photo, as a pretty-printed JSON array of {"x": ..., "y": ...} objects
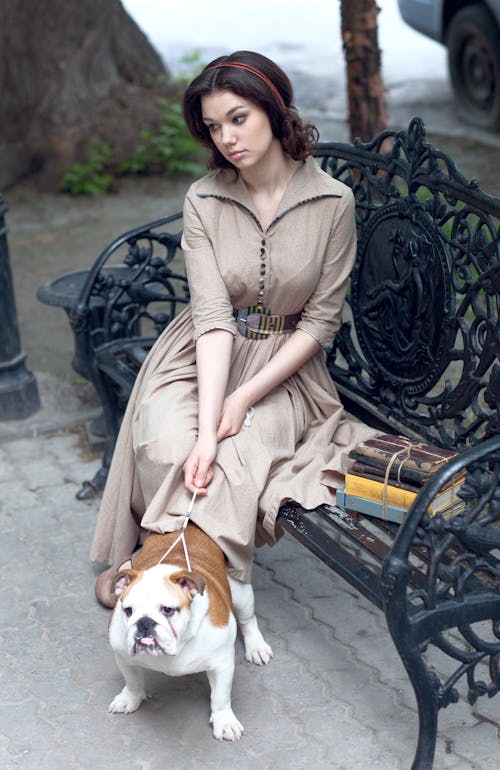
[
  {"x": 376, "y": 490},
  {"x": 370, "y": 507}
]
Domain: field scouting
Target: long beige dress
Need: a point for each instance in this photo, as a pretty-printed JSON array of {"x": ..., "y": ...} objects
[{"x": 293, "y": 447}]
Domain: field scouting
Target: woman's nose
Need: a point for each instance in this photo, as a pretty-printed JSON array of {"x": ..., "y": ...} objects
[{"x": 227, "y": 135}]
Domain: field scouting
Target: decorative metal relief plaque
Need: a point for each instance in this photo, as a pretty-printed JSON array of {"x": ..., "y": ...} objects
[{"x": 400, "y": 296}]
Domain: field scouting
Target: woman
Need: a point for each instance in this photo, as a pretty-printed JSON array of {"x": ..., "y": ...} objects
[{"x": 235, "y": 400}]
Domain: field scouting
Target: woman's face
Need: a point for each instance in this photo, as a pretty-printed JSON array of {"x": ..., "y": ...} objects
[{"x": 239, "y": 128}]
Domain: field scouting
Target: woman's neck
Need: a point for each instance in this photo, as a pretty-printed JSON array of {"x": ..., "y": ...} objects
[
  {"x": 271, "y": 176},
  {"x": 267, "y": 185}
]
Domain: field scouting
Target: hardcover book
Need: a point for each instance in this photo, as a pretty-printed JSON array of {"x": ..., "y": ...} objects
[
  {"x": 370, "y": 507},
  {"x": 374, "y": 490},
  {"x": 388, "y": 512},
  {"x": 414, "y": 455},
  {"x": 370, "y": 471}
]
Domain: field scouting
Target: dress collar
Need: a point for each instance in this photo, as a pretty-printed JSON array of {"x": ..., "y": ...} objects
[{"x": 308, "y": 182}]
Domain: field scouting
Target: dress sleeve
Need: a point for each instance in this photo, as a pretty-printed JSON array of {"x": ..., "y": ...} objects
[
  {"x": 210, "y": 302},
  {"x": 323, "y": 310}
]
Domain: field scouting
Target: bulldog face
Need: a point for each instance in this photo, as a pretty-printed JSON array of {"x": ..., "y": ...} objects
[{"x": 155, "y": 607}]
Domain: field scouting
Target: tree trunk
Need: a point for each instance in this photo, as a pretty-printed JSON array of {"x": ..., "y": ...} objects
[
  {"x": 69, "y": 72},
  {"x": 365, "y": 88}
]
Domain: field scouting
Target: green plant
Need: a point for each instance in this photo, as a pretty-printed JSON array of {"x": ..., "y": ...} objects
[
  {"x": 90, "y": 178},
  {"x": 171, "y": 149}
]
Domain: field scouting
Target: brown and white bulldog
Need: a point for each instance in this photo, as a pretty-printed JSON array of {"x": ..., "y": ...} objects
[{"x": 180, "y": 622}]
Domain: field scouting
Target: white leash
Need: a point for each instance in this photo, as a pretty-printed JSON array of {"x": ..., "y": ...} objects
[
  {"x": 182, "y": 537},
  {"x": 248, "y": 422}
]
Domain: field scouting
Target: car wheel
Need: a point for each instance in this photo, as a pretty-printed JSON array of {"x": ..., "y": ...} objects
[{"x": 473, "y": 41}]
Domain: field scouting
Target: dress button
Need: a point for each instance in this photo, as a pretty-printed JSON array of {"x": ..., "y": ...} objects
[{"x": 262, "y": 269}]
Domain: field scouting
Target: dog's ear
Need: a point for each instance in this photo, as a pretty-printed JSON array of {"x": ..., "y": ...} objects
[
  {"x": 123, "y": 579},
  {"x": 191, "y": 582}
]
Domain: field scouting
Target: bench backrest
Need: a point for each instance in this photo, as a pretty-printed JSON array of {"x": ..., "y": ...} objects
[
  {"x": 420, "y": 342},
  {"x": 418, "y": 347}
]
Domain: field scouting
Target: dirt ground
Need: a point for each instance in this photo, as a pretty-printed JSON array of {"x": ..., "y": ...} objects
[{"x": 50, "y": 234}]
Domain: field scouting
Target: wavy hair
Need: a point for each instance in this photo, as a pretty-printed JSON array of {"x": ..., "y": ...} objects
[{"x": 263, "y": 83}]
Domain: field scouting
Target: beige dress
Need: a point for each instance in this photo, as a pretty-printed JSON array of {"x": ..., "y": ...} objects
[{"x": 293, "y": 447}]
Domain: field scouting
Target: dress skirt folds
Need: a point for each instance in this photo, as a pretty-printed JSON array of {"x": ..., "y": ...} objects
[{"x": 293, "y": 446}]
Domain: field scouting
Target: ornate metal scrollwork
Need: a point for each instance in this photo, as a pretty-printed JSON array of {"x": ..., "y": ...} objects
[
  {"x": 457, "y": 605},
  {"x": 422, "y": 317},
  {"x": 140, "y": 296}
]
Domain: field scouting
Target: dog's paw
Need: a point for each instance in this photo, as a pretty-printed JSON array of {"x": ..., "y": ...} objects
[
  {"x": 126, "y": 702},
  {"x": 225, "y": 725},
  {"x": 257, "y": 649}
]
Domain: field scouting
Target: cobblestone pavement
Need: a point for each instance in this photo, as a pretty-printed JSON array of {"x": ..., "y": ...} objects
[{"x": 334, "y": 696}]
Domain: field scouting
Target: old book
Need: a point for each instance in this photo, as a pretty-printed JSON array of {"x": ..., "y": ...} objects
[
  {"x": 388, "y": 512},
  {"x": 378, "y": 474},
  {"x": 370, "y": 507},
  {"x": 374, "y": 490},
  {"x": 405, "y": 474},
  {"x": 412, "y": 454}
]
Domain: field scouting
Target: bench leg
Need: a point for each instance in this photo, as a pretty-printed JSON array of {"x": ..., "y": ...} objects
[
  {"x": 425, "y": 695},
  {"x": 393, "y": 587},
  {"x": 94, "y": 488}
]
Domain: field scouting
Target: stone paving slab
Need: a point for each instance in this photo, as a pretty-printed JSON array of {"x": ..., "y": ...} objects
[{"x": 334, "y": 696}]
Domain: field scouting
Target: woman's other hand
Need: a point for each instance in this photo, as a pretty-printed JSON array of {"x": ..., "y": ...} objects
[
  {"x": 198, "y": 471},
  {"x": 234, "y": 409}
]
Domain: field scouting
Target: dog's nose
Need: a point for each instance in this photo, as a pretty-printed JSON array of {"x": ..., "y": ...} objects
[{"x": 146, "y": 626}]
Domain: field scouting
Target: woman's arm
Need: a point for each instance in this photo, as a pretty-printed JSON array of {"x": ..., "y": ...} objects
[
  {"x": 297, "y": 350},
  {"x": 213, "y": 357}
]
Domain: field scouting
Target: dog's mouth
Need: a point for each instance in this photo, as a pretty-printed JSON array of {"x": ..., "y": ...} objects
[{"x": 147, "y": 645}]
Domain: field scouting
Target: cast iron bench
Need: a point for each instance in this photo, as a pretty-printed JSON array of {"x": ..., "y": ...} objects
[{"x": 416, "y": 354}]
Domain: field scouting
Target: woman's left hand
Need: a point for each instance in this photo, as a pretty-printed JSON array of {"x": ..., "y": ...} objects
[{"x": 233, "y": 413}]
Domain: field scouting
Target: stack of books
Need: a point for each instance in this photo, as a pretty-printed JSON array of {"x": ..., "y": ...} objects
[{"x": 385, "y": 474}]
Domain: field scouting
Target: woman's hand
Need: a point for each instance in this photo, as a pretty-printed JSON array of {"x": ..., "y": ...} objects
[
  {"x": 234, "y": 409},
  {"x": 197, "y": 469}
]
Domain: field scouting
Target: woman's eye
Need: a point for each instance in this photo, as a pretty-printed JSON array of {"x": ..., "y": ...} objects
[
  {"x": 212, "y": 127},
  {"x": 239, "y": 119},
  {"x": 169, "y": 611}
]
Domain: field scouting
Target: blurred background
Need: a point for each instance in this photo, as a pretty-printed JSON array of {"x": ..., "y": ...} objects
[{"x": 304, "y": 38}]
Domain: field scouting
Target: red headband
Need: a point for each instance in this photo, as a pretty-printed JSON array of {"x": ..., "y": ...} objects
[{"x": 254, "y": 71}]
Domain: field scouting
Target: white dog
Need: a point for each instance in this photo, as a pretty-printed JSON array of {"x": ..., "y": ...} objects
[{"x": 177, "y": 621}]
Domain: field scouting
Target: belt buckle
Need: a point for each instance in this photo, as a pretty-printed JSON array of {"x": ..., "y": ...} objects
[{"x": 252, "y": 321}]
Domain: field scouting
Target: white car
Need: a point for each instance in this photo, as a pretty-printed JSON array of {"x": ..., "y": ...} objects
[{"x": 470, "y": 29}]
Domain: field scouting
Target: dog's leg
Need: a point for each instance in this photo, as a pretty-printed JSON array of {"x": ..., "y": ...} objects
[
  {"x": 132, "y": 695},
  {"x": 223, "y": 720},
  {"x": 256, "y": 648}
]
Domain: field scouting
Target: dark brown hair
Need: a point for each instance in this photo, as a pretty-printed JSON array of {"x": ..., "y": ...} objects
[{"x": 298, "y": 139}]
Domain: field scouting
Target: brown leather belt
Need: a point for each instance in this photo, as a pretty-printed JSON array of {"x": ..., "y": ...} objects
[{"x": 257, "y": 323}]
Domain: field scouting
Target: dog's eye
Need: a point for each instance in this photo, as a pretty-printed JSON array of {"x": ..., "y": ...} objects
[
  {"x": 169, "y": 611},
  {"x": 127, "y": 611}
]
